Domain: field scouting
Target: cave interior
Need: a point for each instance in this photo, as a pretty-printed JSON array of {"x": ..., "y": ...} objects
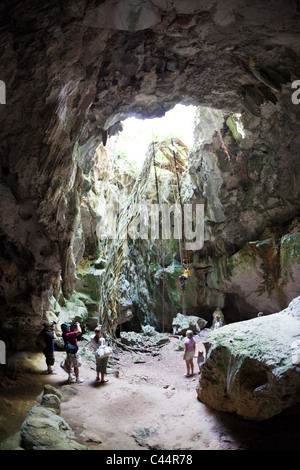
[{"x": 73, "y": 72}]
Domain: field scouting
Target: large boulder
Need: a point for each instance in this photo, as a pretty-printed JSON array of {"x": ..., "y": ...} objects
[
  {"x": 182, "y": 323},
  {"x": 131, "y": 338},
  {"x": 45, "y": 429},
  {"x": 270, "y": 267},
  {"x": 253, "y": 367}
]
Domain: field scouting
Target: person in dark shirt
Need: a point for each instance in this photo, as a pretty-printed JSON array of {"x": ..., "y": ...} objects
[{"x": 49, "y": 337}]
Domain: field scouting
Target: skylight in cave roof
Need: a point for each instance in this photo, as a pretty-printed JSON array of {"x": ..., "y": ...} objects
[{"x": 137, "y": 134}]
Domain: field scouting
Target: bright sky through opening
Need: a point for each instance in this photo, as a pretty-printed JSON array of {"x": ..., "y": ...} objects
[{"x": 137, "y": 134}]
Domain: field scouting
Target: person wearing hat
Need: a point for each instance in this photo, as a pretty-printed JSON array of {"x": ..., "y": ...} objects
[
  {"x": 73, "y": 359},
  {"x": 49, "y": 337}
]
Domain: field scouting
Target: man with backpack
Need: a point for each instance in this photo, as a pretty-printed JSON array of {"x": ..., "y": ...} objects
[{"x": 73, "y": 359}]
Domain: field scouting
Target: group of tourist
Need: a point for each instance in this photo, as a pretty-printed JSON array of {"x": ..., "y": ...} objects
[{"x": 73, "y": 360}]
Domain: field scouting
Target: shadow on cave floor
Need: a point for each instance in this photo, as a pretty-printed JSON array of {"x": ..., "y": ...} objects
[{"x": 278, "y": 433}]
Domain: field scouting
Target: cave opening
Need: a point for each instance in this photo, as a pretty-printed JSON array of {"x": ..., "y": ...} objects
[
  {"x": 137, "y": 134},
  {"x": 132, "y": 144},
  {"x": 117, "y": 165}
]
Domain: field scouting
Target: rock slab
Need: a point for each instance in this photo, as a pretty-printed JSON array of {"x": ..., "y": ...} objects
[
  {"x": 253, "y": 367},
  {"x": 182, "y": 323},
  {"x": 45, "y": 429}
]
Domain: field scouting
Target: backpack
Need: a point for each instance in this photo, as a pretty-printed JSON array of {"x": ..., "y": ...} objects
[{"x": 71, "y": 348}]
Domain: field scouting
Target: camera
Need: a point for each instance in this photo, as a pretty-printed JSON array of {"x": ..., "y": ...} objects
[{"x": 53, "y": 323}]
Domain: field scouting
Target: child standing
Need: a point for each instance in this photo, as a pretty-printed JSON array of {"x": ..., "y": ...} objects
[{"x": 200, "y": 360}]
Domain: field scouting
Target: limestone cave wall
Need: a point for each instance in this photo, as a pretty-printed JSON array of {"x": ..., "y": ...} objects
[{"x": 72, "y": 70}]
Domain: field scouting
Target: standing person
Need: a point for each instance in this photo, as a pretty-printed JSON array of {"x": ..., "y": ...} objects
[
  {"x": 189, "y": 352},
  {"x": 101, "y": 362},
  {"x": 49, "y": 337},
  {"x": 73, "y": 357},
  {"x": 218, "y": 322},
  {"x": 200, "y": 360}
]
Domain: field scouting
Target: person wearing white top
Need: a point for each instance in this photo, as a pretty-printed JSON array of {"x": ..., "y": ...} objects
[
  {"x": 101, "y": 362},
  {"x": 189, "y": 353}
]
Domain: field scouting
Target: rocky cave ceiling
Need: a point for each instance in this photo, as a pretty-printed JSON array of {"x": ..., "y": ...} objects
[{"x": 73, "y": 69}]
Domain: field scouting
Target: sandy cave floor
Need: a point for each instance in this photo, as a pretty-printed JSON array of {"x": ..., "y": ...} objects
[{"x": 150, "y": 406}]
